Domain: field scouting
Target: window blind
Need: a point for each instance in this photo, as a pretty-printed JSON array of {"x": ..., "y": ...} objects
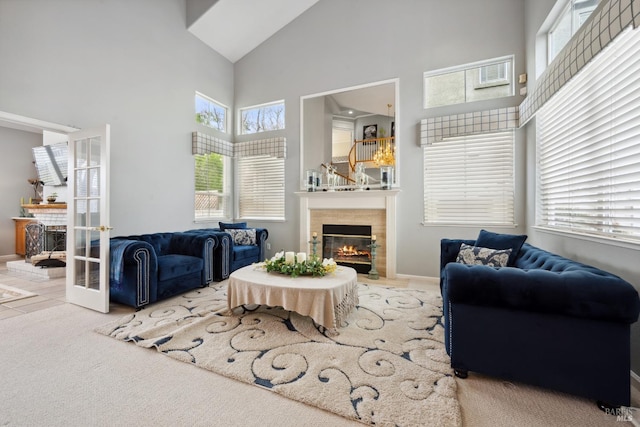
[
  {"x": 261, "y": 187},
  {"x": 588, "y": 147},
  {"x": 470, "y": 180}
]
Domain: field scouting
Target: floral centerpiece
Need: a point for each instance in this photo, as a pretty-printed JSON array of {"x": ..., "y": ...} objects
[{"x": 295, "y": 265}]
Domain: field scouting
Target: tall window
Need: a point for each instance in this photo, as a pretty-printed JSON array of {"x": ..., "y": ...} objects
[
  {"x": 261, "y": 187},
  {"x": 469, "y": 180},
  {"x": 262, "y": 118},
  {"x": 211, "y": 113},
  {"x": 588, "y": 150},
  {"x": 212, "y": 186},
  {"x": 574, "y": 14}
]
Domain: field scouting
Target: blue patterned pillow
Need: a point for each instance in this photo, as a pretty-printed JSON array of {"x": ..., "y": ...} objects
[
  {"x": 476, "y": 255},
  {"x": 243, "y": 236}
]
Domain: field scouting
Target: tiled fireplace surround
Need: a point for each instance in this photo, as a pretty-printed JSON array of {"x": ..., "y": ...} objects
[{"x": 376, "y": 208}]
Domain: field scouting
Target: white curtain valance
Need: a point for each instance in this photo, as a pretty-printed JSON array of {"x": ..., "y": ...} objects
[
  {"x": 606, "y": 22},
  {"x": 201, "y": 143},
  {"x": 274, "y": 147},
  {"x": 435, "y": 129}
]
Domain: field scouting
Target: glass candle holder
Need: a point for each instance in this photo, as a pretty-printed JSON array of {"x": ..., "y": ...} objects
[{"x": 386, "y": 177}]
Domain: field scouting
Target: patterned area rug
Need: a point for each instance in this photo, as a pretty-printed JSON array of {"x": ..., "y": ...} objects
[
  {"x": 8, "y": 293},
  {"x": 387, "y": 366}
]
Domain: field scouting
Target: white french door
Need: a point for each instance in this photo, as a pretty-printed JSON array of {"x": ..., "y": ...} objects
[{"x": 88, "y": 219}]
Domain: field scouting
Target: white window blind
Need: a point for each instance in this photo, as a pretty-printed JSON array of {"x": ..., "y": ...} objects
[
  {"x": 261, "y": 187},
  {"x": 212, "y": 186},
  {"x": 470, "y": 180},
  {"x": 589, "y": 147}
]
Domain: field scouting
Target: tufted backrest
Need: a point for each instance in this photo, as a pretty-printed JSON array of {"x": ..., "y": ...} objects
[
  {"x": 161, "y": 242},
  {"x": 531, "y": 257}
]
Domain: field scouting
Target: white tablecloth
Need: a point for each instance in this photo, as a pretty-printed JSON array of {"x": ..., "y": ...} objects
[{"x": 328, "y": 300}]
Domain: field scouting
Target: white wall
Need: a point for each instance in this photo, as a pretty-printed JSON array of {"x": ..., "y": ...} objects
[
  {"x": 131, "y": 64},
  {"x": 622, "y": 261},
  {"x": 338, "y": 44},
  {"x": 16, "y": 168}
]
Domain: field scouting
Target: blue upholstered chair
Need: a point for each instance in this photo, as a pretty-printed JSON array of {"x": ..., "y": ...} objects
[
  {"x": 545, "y": 320},
  {"x": 151, "y": 267}
]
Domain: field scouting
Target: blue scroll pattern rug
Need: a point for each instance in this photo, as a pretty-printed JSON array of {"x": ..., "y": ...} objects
[{"x": 387, "y": 366}]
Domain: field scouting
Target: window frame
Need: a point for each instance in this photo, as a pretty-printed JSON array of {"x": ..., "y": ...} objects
[
  {"x": 242, "y": 110},
  {"x": 226, "y": 195},
  {"x": 214, "y": 103},
  {"x": 468, "y": 68}
]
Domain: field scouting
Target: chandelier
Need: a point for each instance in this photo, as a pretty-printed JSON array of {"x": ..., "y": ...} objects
[{"x": 385, "y": 155}]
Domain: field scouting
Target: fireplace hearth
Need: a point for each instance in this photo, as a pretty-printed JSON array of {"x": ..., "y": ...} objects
[{"x": 348, "y": 245}]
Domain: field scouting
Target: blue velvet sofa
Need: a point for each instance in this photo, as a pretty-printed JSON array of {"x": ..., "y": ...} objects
[
  {"x": 238, "y": 246},
  {"x": 151, "y": 267},
  {"x": 545, "y": 320}
]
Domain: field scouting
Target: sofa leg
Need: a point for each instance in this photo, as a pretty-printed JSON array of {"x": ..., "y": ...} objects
[
  {"x": 607, "y": 408},
  {"x": 461, "y": 373}
]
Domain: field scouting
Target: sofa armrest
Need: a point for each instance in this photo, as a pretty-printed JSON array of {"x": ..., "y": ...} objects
[
  {"x": 262, "y": 234},
  {"x": 200, "y": 245},
  {"x": 133, "y": 271},
  {"x": 449, "y": 249},
  {"x": 572, "y": 293}
]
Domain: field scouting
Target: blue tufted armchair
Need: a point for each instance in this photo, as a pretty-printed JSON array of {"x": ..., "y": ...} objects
[{"x": 151, "y": 267}]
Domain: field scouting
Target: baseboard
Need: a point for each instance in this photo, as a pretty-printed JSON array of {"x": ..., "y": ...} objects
[
  {"x": 6, "y": 258},
  {"x": 635, "y": 399},
  {"x": 416, "y": 277}
]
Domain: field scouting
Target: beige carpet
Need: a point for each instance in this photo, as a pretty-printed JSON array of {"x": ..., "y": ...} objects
[
  {"x": 386, "y": 367},
  {"x": 9, "y": 293}
]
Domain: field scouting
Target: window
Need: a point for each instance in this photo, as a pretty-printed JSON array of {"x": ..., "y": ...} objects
[
  {"x": 341, "y": 138},
  {"x": 469, "y": 180},
  {"x": 477, "y": 81},
  {"x": 212, "y": 186},
  {"x": 494, "y": 73},
  {"x": 261, "y": 187},
  {"x": 574, "y": 14},
  {"x": 211, "y": 113},
  {"x": 588, "y": 150},
  {"x": 262, "y": 118}
]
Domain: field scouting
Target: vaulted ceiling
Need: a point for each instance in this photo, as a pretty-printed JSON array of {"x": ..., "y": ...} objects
[{"x": 234, "y": 28}]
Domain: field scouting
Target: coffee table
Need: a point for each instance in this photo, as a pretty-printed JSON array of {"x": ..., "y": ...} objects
[{"x": 328, "y": 300}]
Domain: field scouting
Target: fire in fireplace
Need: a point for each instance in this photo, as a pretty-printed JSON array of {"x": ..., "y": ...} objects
[{"x": 348, "y": 245}]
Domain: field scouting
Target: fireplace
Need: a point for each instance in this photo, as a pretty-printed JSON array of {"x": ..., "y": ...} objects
[{"x": 348, "y": 245}]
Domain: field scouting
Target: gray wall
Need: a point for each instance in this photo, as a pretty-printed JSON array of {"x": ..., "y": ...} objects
[
  {"x": 131, "y": 64},
  {"x": 622, "y": 261},
  {"x": 338, "y": 44},
  {"x": 16, "y": 167}
]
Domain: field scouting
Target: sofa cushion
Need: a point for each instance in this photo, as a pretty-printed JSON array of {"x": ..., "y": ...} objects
[
  {"x": 232, "y": 225},
  {"x": 487, "y": 239},
  {"x": 171, "y": 266},
  {"x": 243, "y": 252},
  {"x": 243, "y": 237},
  {"x": 476, "y": 255}
]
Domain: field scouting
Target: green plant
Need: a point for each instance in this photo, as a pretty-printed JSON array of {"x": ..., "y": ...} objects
[{"x": 310, "y": 267}]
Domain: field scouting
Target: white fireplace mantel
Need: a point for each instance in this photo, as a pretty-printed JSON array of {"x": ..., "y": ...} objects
[{"x": 365, "y": 199}]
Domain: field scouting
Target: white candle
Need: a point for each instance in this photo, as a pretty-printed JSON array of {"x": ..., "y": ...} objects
[
  {"x": 301, "y": 257},
  {"x": 373, "y": 237},
  {"x": 289, "y": 257}
]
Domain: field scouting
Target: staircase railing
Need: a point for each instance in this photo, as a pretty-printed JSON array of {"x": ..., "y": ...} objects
[{"x": 364, "y": 151}]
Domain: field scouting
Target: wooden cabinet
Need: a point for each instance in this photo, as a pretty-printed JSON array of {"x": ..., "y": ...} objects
[{"x": 21, "y": 223}]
